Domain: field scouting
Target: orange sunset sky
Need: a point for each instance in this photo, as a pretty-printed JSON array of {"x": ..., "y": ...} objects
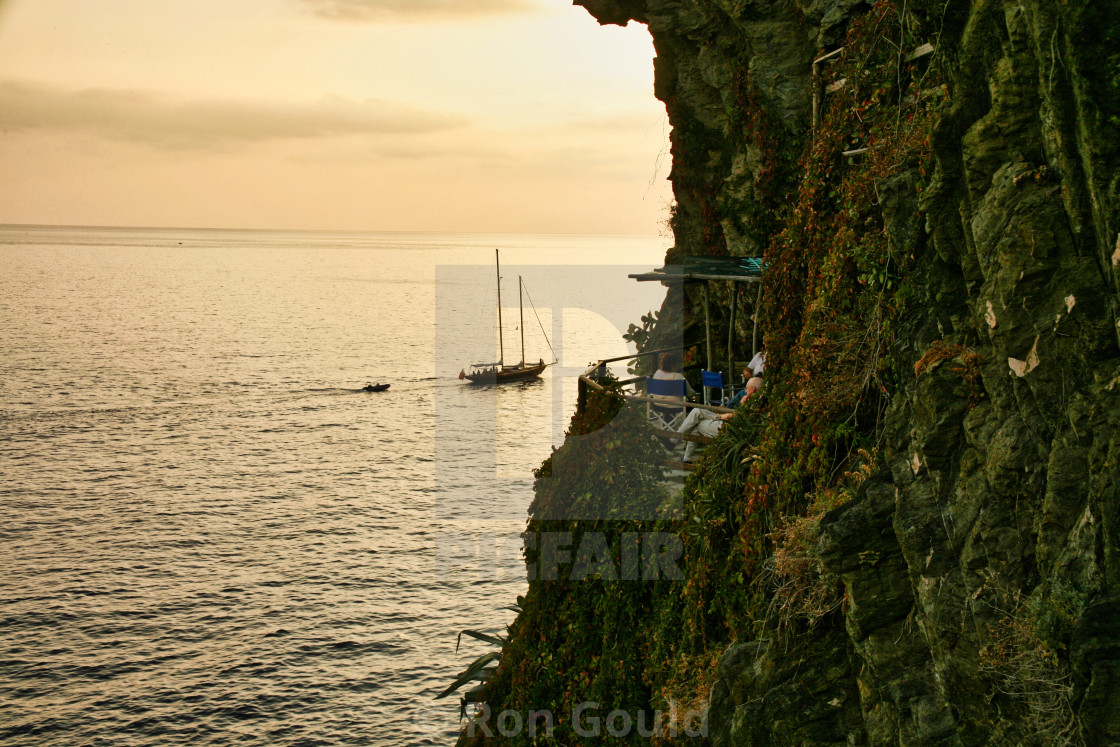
[{"x": 397, "y": 115}]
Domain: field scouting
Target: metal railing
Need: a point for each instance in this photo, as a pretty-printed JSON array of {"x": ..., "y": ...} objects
[
  {"x": 587, "y": 378},
  {"x": 599, "y": 369}
]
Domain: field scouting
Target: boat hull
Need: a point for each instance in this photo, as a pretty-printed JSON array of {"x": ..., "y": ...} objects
[{"x": 519, "y": 373}]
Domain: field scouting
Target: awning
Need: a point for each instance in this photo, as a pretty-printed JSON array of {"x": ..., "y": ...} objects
[{"x": 735, "y": 269}]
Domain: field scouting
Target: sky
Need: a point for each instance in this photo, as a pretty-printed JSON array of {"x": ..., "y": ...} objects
[{"x": 511, "y": 116}]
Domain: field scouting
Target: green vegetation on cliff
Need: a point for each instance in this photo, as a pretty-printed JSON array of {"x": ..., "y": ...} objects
[{"x": 914, "y": 537}]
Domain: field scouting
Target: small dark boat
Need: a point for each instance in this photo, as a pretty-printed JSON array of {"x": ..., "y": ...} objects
[{"x": 374, "y": 387}]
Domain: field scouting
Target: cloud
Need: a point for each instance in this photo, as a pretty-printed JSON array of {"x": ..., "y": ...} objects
[
  {"x": 147, "y": 118},
  {"x": 413, "y": 10}
]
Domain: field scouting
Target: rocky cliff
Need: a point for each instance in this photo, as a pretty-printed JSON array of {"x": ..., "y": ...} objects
[{"x": 923, "y": 544}]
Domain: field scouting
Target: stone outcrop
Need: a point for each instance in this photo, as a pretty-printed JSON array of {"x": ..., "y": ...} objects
[{"x": 996, "y": 495}]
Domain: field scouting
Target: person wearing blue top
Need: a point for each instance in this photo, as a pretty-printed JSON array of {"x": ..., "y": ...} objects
[
  {"x": 669, "y": 369},
  {"x": 708, "y": 423}
]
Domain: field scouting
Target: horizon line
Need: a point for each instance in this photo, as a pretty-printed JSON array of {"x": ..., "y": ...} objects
[{"x": 4, "y": 225}]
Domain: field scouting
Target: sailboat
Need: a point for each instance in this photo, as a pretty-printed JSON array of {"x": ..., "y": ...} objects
[{"x": 499, "y": 373}]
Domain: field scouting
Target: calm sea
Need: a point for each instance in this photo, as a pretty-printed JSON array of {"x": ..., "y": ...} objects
[{"x": 210, "y": 535}]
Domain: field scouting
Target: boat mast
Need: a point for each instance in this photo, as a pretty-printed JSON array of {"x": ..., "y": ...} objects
[
  {"x": 501, "y": 346},
  {"x": 521, "y": 310}
]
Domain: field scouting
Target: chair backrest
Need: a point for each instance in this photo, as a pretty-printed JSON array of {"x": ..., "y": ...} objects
[
  {"x": 666, "y": 387},
  {"x": 713, "y": 379}
]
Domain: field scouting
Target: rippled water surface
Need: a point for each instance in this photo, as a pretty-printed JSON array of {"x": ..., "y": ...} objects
[{"x": 209, "y": 534}]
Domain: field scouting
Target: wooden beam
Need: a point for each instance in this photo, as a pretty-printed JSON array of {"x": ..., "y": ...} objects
[
  {"x": 592, "y": 383},
  {"x": 707, "y": 337},
  {"x": 731, "y": 338},
  {"x": 667, "y": 279},
  {"x": 737, "y": 279},
  {"x": 663, "y": 403},
  {"x": 828, "y": 56},
  {"x": 815, "y": 110},
  {"x": 683, "y": 436},
  {"x": 816, "y": 82},
  {"x": 754, "y": 333},
  {"x": 921, "y": 51},
  {"x": 599, "y": 364},
  {"x": 632, "y": 355},
  {"x": 856, "y": 152}
]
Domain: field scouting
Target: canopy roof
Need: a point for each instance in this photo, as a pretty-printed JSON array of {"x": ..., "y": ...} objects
[{"x": 737, "y": 269}]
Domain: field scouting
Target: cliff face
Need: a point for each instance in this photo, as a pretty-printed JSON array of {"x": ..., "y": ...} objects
[{"x": 980, "y": 560}]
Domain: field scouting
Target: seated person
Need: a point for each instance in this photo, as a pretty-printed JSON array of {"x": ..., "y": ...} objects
[
  {"x": 742, "y": 393},
  {"x": 757, "y": 365},
  {"x": 708, "y": 423},
  {"x": 669, "y": 369}
]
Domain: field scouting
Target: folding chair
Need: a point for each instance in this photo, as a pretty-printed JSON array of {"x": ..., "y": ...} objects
[
  {"x": 667, "y": 417},
  {"x": 714, "y": 380}
]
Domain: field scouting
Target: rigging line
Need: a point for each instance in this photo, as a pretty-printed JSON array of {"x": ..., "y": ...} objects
[
  {"x": 541, "y": 325},
  {"x": 481, "y": 316}
]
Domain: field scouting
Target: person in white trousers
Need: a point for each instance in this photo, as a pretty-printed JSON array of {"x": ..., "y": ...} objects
[{"x": 708, "y": 423}]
